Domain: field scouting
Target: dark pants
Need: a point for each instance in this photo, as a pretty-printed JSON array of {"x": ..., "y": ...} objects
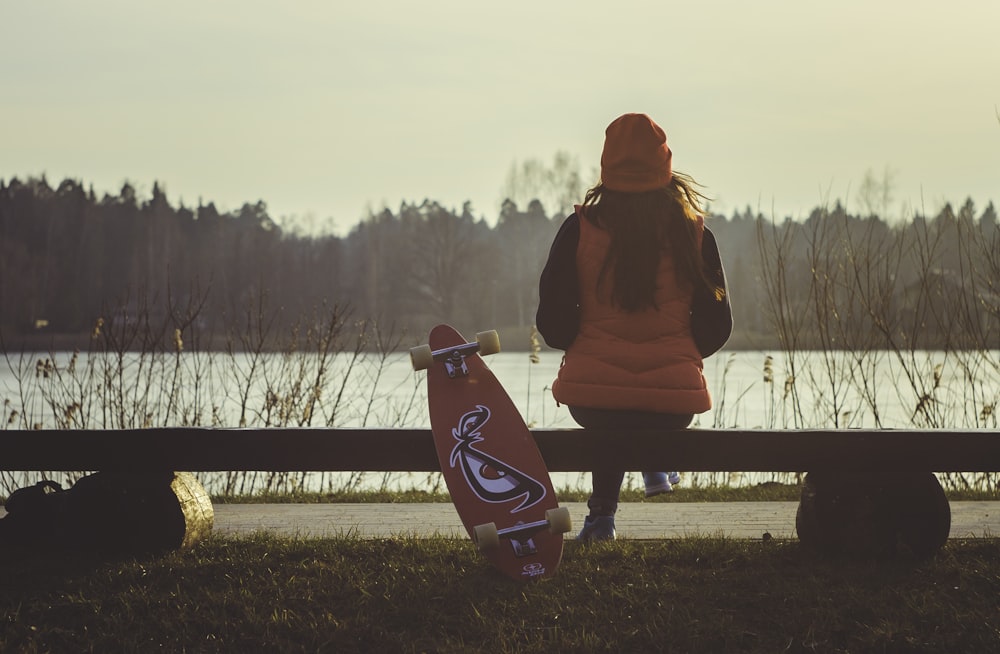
[{"x": 607, "y": 484}]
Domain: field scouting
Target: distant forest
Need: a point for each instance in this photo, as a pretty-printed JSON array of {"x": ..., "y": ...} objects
[{"x": 69, "y": 258}]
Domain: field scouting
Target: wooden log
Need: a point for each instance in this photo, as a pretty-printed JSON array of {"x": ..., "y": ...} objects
[
  {"x": 564, "y": 450},
  {"x": 110, "y": 513},
  {"x": 873, "y": 515}
]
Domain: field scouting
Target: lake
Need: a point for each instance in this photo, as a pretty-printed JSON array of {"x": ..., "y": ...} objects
[{"x": 749, "y": 389}]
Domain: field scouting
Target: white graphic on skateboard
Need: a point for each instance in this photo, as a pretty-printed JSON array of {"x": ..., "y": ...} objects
[{"x": 490, "y": 479}]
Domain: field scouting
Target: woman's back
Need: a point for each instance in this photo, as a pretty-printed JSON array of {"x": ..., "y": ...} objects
[{"x": 634, "y": 291}]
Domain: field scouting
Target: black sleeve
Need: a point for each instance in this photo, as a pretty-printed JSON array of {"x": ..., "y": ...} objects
[
  {"x": 558, "y": 315},
  {"x": 711, "y": 317}
]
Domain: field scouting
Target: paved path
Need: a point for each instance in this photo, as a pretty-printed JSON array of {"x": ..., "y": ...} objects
[{"x": 639, "y": 520}]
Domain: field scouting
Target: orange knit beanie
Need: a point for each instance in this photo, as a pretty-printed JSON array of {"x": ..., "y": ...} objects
[{"x": 636, "y": 156}]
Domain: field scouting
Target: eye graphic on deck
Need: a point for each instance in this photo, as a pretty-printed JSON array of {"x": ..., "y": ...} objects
[{"x": 491, "y": 479}]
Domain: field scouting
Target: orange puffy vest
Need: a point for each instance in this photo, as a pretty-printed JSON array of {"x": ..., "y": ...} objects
[{"x": 642, "y": 361}]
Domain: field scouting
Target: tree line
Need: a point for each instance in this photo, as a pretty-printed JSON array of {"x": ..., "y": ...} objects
[{"x": 69, "y": 258}]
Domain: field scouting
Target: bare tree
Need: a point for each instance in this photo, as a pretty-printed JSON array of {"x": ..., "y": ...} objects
[{"x": 557, "y": 186}]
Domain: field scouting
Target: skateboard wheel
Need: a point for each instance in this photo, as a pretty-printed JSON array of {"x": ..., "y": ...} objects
[
  {"x": 421, "y": 357},
  {"x": 559, "y": 520},
  {"x": 485, "y": 536},
  {"x": 489, "y": 342}
]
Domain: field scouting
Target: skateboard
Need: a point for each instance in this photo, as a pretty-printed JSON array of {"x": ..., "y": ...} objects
[{"x": 495, "y": 474}]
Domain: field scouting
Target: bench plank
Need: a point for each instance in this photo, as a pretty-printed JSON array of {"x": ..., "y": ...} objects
[{"x": 564, "y": 450}]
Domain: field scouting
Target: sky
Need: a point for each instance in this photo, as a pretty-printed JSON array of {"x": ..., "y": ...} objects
[{"x": 328, "y": 110}]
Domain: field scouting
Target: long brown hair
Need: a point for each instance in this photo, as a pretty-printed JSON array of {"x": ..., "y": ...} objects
[{"x": 643, "y": 226}]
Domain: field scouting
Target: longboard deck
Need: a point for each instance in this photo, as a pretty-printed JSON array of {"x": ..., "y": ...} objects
[{"x": 490, "y": 462}]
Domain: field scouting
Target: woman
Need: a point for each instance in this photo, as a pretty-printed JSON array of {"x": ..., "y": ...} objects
[{"x": 635, "y": 293}]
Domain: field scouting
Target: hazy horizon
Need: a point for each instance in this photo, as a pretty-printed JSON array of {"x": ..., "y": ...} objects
[{"x": 328, "y": 110}]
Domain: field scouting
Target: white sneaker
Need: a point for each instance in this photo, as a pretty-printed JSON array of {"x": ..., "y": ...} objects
[{"x": 657, "y": 483}]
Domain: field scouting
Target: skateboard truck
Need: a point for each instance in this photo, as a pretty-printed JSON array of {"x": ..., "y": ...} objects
[
  {"x": 487, "y": 536},
  {"x": 455, "y": 363},
  {"x": 523, "y": 547},
  {"x": 454, "y": 357}
]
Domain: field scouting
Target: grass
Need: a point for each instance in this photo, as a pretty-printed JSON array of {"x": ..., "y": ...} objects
[{"x": 437, "y": 595}]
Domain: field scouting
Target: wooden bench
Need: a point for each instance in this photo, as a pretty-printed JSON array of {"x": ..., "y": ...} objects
[
  {"x": 564, "y": 450},
  {"x": 867, "y": 491}
]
